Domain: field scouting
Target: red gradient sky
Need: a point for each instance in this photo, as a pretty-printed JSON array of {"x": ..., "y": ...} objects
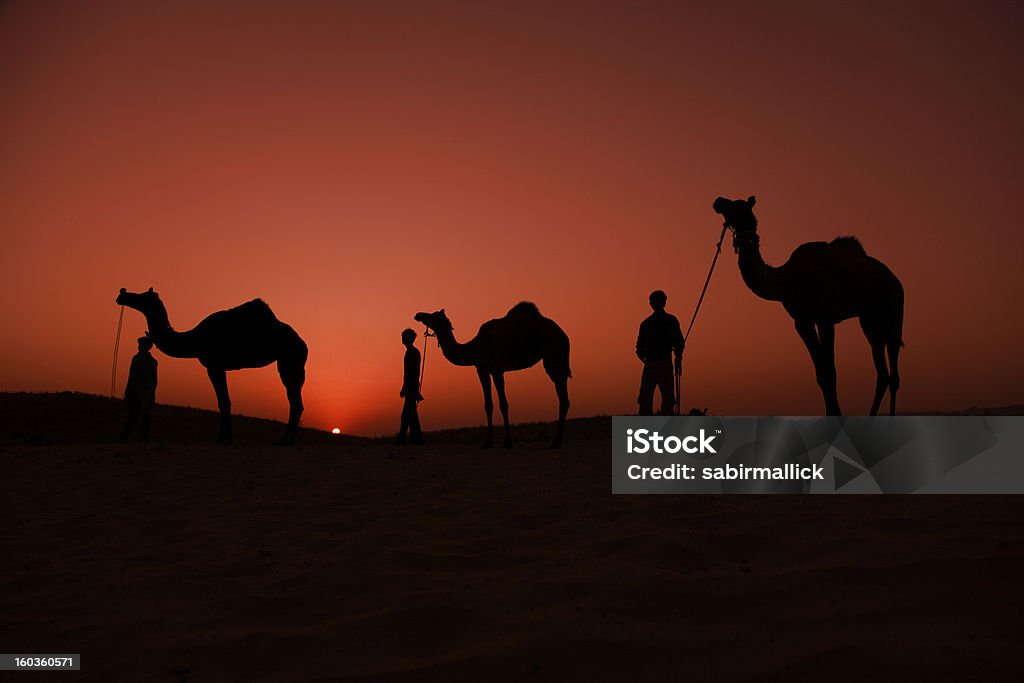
[{"x": 355, "y": 162}]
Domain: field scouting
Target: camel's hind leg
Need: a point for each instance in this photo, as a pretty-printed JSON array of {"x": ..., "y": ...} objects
[
  {"x": 499, "y": 385},
  {"x": 556, "y": 365},
  {"x": 822, "y": 351},
  {"x": 562, "y": 389},
  {"x": 882, "y": 381},
  {"x": 827, "y": 367},
  {"x": 293, "y": 378},
  {"x": 887, "y": 375},
  {"x": 894, "y": 372},
  {"x": 219, "y": 379},
  {"x": 485, "y": 383}
]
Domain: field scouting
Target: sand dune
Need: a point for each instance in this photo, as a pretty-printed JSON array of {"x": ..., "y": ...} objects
[{"x": 358, "y": 559}]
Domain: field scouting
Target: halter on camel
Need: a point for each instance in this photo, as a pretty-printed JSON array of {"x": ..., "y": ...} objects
[{"x": 707, "y": 281}]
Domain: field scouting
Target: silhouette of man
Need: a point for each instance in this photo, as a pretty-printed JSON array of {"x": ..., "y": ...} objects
[
  {"x": 660, "y": 336},
  {"x": 140, "y": 392},
  {"x": 410, "y": 391}
]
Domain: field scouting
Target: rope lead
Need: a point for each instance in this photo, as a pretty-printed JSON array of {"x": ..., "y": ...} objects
[
  {"x": 423, "y": 361},
  {"x": 707, "y": 281},
  {"x": 117, "y": 345}
]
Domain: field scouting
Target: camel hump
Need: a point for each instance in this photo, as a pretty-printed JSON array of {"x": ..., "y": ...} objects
[
  {"x": 524, "y": 309},
  {"x": 256, "y": 309},
  {"x": 849, "y": 242}
]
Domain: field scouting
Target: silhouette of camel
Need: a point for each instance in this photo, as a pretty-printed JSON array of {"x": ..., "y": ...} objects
[
  {"x": 247, "y": 336},
  {"x": 822, "y": 284},
  {"x": 516, "y": 342}
]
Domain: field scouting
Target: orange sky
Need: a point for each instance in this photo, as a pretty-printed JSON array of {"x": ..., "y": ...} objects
[{"x": 355, "y": 162}]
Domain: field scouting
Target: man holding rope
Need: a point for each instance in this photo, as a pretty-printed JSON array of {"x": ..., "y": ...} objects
[
  {"x": 410, "y": 423},
  {"x": 660, "y": 337},
  {"x": 140, "y": 392}
]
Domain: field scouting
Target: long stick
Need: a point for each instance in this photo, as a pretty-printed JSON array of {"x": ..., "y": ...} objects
[{"x": 679, "y": 377}]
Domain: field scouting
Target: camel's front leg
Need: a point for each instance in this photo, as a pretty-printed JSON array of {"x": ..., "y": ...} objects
[
  {"x": 219, "y": 379},
  {"x": 485, "y": 382},
  {"x": 499, "y": 384}
]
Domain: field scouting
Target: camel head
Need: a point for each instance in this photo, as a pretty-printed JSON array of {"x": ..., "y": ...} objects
[
  {"x": 436, "y": 321},
  {"x": 143, "y": 302},
  {"x": 738, "y": 214},
  {"x": 148, "y": 304}
]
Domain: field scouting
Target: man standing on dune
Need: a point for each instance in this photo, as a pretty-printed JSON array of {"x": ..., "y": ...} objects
[
  {"x": 660, "y": 336},
  {"x": 410, "y": 391},
  {"x": 140, "y": 392}
]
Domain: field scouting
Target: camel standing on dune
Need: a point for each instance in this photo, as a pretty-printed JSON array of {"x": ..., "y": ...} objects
[
  {"x": 518, "y": 341},
  {"x": 247, "y": 336},
  {"x": 822, "y": 284}
]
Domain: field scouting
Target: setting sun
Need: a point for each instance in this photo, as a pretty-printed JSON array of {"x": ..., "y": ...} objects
[{"x": 336, "y": 430}]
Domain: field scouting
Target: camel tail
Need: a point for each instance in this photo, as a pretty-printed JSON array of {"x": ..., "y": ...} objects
[
  {"x": 899, "y": 317},
  {"x": 897, "y": 339},
  {"x": 893, "y": 350},
  {"x": 558, "y": 369},
  {"x": 556, "y": 352},
  {"x": 556, "y": 364}
]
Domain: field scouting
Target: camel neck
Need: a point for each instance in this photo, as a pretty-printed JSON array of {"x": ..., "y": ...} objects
[
  {"x": 170, "y": 342},
  {"x": 177, "y": 344},
  {"x": 762, "y": 279},
  {"x": 156, "y": 319},
  {"x": 453, "y": 351}
]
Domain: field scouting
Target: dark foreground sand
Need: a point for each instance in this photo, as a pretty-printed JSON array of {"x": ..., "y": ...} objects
[{"x": 363, "y": 560}]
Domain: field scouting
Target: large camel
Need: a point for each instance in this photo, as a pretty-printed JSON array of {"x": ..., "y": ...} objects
[
  {"x": 516, "y": 342},
  {"x": 247, "y": 336},
  {"x": 822, "y": 284}
]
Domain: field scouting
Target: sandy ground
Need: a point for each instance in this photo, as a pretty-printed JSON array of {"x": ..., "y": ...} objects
[
  {"x": 451, "y": 563},
  {"x": 356, "y": 559}
]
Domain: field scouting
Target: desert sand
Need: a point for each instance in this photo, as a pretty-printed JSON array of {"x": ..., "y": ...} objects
[{"x": 349, "y": 558}]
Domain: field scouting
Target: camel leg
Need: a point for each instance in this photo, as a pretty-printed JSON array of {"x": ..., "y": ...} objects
[
  {"x": 562, "y": 389},
  {"x": 293, "y": 379},
  {"x": 556, "y": 365},
  {"x": 894, "y": 373},
  {"x": 882, "y": 381},
  {"x": 499, "y": 384},
  {"x": 485, "y": 382},
  {"x": 219, "y": 379},
  {"x": 809, "y": 336},
  {"x": 827, "y": 367},
  {"x": 877, "y": 342}
]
